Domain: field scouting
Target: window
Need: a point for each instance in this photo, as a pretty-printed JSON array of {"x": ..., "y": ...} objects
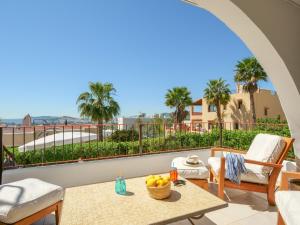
[
  {"x": 266, "y": 109},
  {"x": 212, "y": 108},
  {"x": 197, "y": 108},
  {"x": 236, "y": 126},
  {"x": 240, "y": 104}
]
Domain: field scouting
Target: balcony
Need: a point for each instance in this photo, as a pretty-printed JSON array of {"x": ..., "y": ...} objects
[
  {"x": 196, "y": 113},
  {"x": 250, "y": 206},
  {"x": 151, "y": 153}
]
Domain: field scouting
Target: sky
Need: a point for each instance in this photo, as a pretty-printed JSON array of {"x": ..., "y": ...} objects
[{"x": 51, "y": 50}]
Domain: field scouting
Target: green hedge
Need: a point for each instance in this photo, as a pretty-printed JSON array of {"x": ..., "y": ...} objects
[
  {"x": 110, "y": 148},
  {"x": 240, "y": 139}
]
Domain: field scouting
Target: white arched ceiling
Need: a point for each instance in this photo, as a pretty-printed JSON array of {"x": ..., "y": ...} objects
[{"x": 271, "y": 30}]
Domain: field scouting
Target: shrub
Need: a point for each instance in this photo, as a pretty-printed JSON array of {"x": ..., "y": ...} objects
[
  {"x": 124, "y": 135},
  {"x": 117, "y": 144}
]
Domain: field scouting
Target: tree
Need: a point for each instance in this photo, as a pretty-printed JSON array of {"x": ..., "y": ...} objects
[
  {"x": 178, "y": 98},
  {"x": 158, "y": 127},
  {"x": 249, "y": 73},
  {"x": 98, "y": 104},
  {"x": 217, "y": 93},
  {"x": 124, "y": 135}
]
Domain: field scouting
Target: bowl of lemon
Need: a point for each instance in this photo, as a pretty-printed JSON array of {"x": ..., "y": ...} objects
[{"x": 159, "y": 187}]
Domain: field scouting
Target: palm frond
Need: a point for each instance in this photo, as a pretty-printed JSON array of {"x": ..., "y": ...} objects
[
  {"x": 249, "y": 73},
  {"x": 98, "y": 104}
]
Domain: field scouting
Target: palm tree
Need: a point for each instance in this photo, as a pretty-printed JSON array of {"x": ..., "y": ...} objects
[
  {"x": 98, "y": 104},
  {"x": 217, "y": 93},
  {"x": 178, "y": 98},
  {"x": 249, "y": 73}
]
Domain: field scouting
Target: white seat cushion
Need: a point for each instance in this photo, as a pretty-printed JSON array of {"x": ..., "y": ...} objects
[
  {"x": 190, "y": 172},
  {"x": 288, "y": 203},
  {"x": 25, "y": 197},
  {"x": 250, "y": 176},
  {"x": 265, "y": 148}
]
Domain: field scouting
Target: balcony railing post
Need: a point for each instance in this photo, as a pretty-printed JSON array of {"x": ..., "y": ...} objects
[
  {"x": 140, "y": 138},
  {"x": 1, "y": 153}
]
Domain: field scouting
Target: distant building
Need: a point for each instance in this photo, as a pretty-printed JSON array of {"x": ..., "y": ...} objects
[
  {"x": 165, "y": 115},
  {"x": 236, "y": 114},
  {"x": 27, "y": 121},
  {"x": 156, "y": 115},
  {"x": 130, "y": 122}
]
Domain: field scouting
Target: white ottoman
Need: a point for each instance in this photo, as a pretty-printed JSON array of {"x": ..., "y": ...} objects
[
  {"x": 21, "y": 199},
  {"x": 190, "y": 172},
  {"x": 288, "y": 203}
]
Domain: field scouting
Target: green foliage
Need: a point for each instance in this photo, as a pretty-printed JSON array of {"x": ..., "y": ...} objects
[
  {"x": 96, "y": 149},
  {"x": 217, "y": 93},
  {"x": 117, "y": 144},
  {"x": 98, "y": 104},
  {"x": 249, "y": 72},
  {"x": 272, "y": 121},
  {"x": 178, "y": 98},
  {"x": 124, "y": 135}
]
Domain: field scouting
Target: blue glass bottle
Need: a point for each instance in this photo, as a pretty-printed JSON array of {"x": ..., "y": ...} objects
[
  {"x": 120, "y": 186},
  {"x": 117, "y": 185}
]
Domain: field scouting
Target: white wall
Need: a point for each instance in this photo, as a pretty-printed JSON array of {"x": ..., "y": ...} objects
[
  {"x": 129, "y": 122},
  {"x": 76, "y": 174}
]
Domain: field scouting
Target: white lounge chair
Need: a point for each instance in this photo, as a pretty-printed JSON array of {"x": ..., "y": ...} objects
[{"x": 26, "y": 201}]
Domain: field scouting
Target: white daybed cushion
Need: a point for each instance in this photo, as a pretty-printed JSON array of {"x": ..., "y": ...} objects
[
  {"x": 264, "y": 148},
  {"x": 25, "y": 197},
  {"x": 288, "y": 203},
  {"x": 251, "y": 176},
  {"x": 190, "y": 172}
]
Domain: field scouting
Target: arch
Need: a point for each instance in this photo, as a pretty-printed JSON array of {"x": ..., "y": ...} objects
[{"x": 270, "y": 29}]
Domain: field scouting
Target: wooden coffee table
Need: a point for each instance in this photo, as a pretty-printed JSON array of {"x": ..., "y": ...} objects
[{"x": 98, "y": 204}]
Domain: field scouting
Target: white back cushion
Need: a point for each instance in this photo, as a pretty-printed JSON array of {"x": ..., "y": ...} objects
[{"x": 265, "y": 148}]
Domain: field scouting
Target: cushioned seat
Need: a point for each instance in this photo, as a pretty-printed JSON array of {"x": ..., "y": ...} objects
[
  {"x": 25, "y": 197},
  {"x": 288, "y": 203},
  {"x": 251, "y": 176}
]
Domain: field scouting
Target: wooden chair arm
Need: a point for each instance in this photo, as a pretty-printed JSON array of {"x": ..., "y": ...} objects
[
  {"x": 286, "y": 175},
  {"x": 221, "y": 149},
  {"x": 274, "y": 165},
  {"x": 250, "y": 161}
]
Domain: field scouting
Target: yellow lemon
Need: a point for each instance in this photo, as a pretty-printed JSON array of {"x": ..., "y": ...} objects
[
  {"x": 160, "y": 183},
  {"x": 168, "y": 178},
  {"x": 156, "y": 177},
  {"x": 151, "y": 182},
  {"x": 149, "y": 177},
  {"x": 165, "y": 180}
]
